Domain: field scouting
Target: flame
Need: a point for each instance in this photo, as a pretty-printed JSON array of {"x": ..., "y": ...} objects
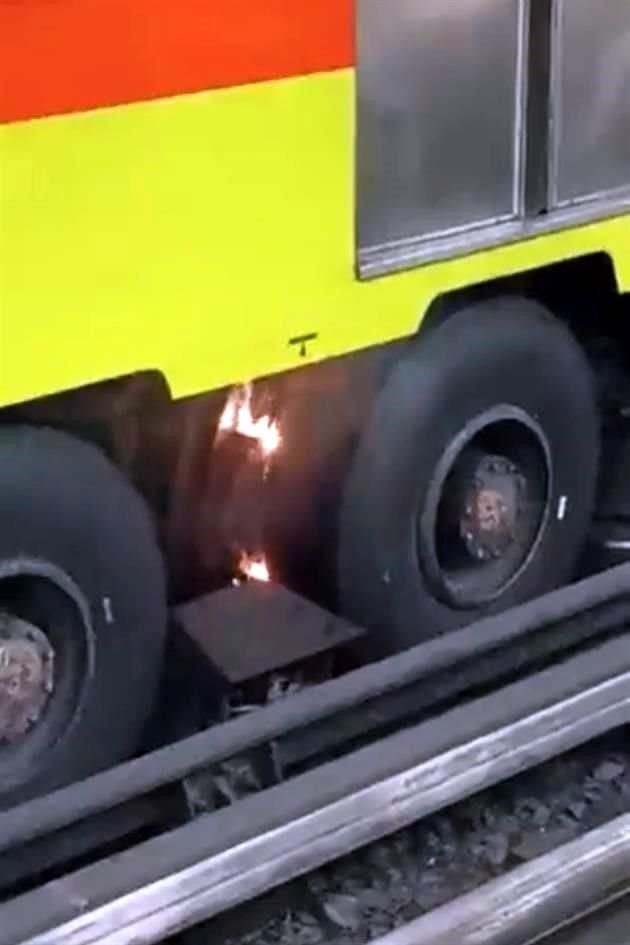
[
  {"x": 252, "y": 568},
  {"x": 264, "y": 431},
  {"x": 238, "y": 417}
]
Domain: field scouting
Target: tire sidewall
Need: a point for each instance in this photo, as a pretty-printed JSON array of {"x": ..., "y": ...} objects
[
  {"x": 70, "y": 507},
  {"x": 481, "y": 359}
]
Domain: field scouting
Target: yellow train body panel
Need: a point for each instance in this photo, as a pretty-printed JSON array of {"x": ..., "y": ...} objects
[{"x": 198, "y": 235}]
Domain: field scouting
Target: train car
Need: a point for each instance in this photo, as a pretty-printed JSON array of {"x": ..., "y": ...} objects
[{"x": 361, "y": 264}]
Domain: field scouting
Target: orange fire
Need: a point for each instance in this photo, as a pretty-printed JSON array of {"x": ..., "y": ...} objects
[
  {"x": 264, "y": 432},
  {"x": 252, "y": 568},
  {"x": 238, "y": 417}
]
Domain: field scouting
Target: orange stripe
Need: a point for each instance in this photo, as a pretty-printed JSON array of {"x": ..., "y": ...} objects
[{"x": 59, "y": 56}]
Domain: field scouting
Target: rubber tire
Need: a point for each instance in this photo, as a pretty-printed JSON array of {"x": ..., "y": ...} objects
[
  {"x": 506, "y": 351},
  {"x": 63, "y": 502}
]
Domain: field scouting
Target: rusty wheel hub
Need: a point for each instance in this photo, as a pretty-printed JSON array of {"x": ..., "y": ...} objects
[
  {"x": 492, "y": 507},
  {"x": 485, "y": 508},
  {"x": 26, "y": 676}
]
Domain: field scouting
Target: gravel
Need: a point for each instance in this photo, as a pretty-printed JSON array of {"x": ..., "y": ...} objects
[{"x": 387, "y": 884}]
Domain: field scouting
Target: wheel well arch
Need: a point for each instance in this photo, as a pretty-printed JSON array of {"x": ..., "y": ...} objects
[
  {"x": 580, "y": 292},
  {"x": 111, "y": 414}
]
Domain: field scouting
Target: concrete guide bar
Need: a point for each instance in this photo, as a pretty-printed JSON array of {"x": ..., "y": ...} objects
[
  {"x": 223, "y": 859},
  {"x": 511, "y": 629}
]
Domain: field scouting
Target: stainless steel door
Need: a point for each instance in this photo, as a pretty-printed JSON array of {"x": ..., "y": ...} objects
[
  {"x": 441, "y": 91},
  {"x": 590, "y": 141}
]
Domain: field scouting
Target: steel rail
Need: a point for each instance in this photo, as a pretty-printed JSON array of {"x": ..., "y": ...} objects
[
  {"x": 535, "y": 900},
  {"x": 512, "y": 629},
  {"x": 223, "y": 859}
]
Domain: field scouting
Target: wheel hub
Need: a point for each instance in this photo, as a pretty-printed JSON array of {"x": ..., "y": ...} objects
[
  {"x": 485, "y": 508},
  {"x": 26, "y": 676},
  {"x": 493, "y": 503}
]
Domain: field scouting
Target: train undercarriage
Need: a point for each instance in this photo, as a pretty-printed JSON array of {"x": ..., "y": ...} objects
[{"x": 409, "y": 490}]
